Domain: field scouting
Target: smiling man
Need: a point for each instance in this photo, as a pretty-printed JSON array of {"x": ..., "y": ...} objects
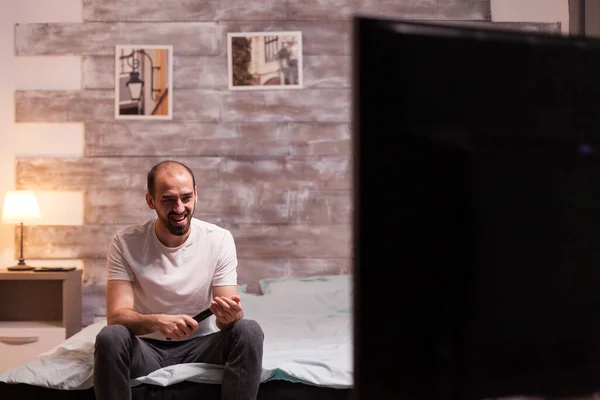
[{"x": 161, "y": 274}]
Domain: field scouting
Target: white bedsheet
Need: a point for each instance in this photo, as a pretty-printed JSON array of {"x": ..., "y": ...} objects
[{"x": 308, "y": 339}]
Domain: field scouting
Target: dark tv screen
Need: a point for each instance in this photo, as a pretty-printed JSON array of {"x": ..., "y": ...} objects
[{"x": 476, "y": 212}]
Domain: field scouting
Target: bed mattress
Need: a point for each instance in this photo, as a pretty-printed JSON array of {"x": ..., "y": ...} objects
[{"x": 307, "y": 351}]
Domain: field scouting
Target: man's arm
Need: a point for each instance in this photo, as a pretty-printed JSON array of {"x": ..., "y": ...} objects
[
  {"x": 226, "y": 306},
  {"x": 119, "y": 311}
]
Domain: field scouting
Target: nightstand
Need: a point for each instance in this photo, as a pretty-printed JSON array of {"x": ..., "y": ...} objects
[{"x": 38, "y": 310}]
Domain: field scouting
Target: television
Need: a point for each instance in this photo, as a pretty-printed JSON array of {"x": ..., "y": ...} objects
[{"x": 476, "y": 171}]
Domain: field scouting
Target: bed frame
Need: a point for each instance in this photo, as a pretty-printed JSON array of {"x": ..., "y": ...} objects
[{"x": 272, "y": 390}]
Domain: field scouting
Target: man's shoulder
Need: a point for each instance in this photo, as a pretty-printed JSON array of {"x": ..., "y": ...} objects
[
  {"x": 136, "y": 230},
  {"x": 207, "y": 227}
]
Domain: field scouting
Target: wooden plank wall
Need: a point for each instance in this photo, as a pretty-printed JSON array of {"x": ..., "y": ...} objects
[{"x": 272, "y": 166}]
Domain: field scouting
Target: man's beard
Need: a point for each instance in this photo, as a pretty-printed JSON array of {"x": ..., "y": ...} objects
[{"x": 177, "y": 230}]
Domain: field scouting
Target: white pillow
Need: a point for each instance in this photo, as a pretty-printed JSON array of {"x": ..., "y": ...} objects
[{"x": 325, "y": 284}]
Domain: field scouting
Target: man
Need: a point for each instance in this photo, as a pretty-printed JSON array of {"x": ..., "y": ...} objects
[
  {"x": 162, "y": 273},
  {"x": 288, "y": 58},
  {"x": 293, "y": 62}
]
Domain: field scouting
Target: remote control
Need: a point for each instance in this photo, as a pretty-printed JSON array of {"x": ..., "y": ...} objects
[
  {"x": 200, "y": 317},
  {"x": 203, "y": 315}
]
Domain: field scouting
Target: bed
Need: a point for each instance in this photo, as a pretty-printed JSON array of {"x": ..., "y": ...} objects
[{"x": 307, "y": 352}]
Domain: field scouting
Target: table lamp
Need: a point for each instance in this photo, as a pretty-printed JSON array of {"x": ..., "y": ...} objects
[{"x": 20, "y": 206}]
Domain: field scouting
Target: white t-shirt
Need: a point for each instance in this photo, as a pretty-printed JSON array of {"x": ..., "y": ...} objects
[{"x": 174, "y": 280}]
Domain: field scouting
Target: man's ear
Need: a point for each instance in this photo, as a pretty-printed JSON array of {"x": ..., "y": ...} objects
[{"x": 150, "y": 201}]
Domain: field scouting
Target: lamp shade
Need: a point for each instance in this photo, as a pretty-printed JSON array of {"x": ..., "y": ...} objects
[
  {"x": 135, "y": 85},
  {"x": 20, "y": 206}
]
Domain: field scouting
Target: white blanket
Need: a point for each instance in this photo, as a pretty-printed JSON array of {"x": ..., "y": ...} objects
[{"x": 308, "y": 339}]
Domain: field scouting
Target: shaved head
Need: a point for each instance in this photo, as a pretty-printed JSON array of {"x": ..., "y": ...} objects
[
  {"x": 172, "y": 194},
  {"x": 166, "y": 166}
]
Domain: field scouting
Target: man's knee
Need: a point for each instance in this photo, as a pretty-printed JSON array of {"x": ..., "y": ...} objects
[
  {"x": 249, "y": 331},
  {"x": 112, "y": 338}
]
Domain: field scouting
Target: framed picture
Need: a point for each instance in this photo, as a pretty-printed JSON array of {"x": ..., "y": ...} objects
[
  {"x": 143, "y": 82},
  {"x": 264, "y": 60}
]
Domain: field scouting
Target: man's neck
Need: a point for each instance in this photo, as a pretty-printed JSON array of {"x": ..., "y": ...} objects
[{"x": 167, "y": 238}]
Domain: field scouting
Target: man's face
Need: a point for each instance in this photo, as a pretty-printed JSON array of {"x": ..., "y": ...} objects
[{"x": 174, "y": 200}]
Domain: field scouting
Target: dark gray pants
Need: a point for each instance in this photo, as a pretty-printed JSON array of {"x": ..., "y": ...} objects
[{"x": 120, "y": 356}]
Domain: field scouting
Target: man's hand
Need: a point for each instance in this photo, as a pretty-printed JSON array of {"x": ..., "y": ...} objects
[
  {"x": 175, "y": 327},
  {"x": 227, "y": 310}
]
